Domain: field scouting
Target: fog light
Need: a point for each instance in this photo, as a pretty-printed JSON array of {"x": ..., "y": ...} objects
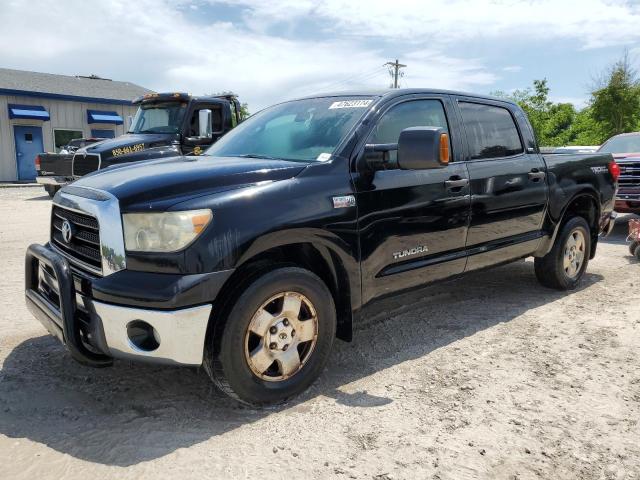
[{"x": 143, "y": 336}]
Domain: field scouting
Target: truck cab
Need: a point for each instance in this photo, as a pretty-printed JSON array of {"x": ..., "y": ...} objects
[{"x": 165, "y": 125}]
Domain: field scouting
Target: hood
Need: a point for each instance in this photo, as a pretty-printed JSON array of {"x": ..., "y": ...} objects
[
  {"x": 117, "y": 146},
  {"x": 164, "y": 182}
]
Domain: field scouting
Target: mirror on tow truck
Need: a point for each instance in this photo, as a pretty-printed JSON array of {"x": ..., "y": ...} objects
[
  {"x": 205, "y": 123},
  {"x": 419, "y": 148}
]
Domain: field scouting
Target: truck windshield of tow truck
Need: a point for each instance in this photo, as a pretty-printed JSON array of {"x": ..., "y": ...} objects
[
  {"x": 159, "y": 117},
  {"x": 301, "y": 130}
]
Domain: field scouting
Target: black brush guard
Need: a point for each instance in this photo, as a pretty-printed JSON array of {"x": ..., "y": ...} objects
[{"x": 61, "y": 321}]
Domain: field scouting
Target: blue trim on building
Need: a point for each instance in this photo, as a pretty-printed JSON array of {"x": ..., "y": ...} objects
[
  {"x": 31, "y": 112},
  {"x": 100, "y": 116},
  {"x": 58, "y": 96}
]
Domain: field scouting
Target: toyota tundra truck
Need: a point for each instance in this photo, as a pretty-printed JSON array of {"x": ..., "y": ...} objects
[
  {"x": 250, "y": 259},
  {"x": 165, "y": 125}
]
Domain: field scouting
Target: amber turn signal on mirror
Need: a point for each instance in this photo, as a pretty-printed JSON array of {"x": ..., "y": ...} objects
[{"x": 444, "y": 148}]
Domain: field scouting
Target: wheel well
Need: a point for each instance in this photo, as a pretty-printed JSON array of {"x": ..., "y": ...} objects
[
  {"x": 585, "y": 206},
  {"x": 320, "y": 261}
]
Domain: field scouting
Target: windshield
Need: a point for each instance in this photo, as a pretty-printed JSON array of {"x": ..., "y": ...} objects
[
  {"x": 622, "y": 144},
  {"x": 303, "y": 130},
  {"x": 164, "y": 117}
]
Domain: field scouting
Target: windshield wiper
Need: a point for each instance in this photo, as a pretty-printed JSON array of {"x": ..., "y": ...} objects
[{"x": 255, "y": 155}]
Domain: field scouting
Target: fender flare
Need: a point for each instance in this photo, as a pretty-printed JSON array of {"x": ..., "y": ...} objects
[
  {"x": 584, "y": 193},
  {"x": 340, "y": 257}
]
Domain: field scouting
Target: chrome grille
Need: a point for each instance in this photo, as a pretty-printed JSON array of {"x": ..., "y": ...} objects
[
  {"x": 85, "y": 163},
  {"x": 83, "y": 249},
  {"x": 629, "y": 179}
]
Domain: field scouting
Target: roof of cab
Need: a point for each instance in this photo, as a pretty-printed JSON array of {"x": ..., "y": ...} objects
[
  {"x": 396, "y": 92},
  {"x": 178, "y": 96}
]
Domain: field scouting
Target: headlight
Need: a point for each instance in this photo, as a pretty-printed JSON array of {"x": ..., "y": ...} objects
[{"x": 163, "y": 232}]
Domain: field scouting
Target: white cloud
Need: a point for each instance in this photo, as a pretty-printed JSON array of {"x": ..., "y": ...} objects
[
  {"x": 594, "y": 23},
  {"x": 170, "y": 45},
  {"x": 512, "y": 68},
  {"x": 156, "y": 45}
]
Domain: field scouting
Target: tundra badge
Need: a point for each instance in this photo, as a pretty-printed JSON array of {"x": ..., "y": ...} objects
[{"x": 409, "y": 252}]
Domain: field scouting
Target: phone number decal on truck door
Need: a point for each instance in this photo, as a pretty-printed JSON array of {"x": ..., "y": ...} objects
[{"x": 125, "y": 150}]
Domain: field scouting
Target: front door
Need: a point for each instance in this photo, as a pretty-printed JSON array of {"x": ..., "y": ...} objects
[
  {"x": 412, "y": 223},
  {"x": 508, "y": 187},
  {"x": 193, "y": 143},
  {"x": 28, "y": 146}
]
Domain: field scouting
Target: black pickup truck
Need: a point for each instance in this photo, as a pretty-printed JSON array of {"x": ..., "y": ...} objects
[
  {"x": 252, "y": 258},
  {"x": 165, "y": 125},
  {"x": 56, "y": 169}
]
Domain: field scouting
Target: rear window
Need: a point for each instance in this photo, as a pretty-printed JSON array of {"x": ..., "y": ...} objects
[{"x": 491, "y": 131}]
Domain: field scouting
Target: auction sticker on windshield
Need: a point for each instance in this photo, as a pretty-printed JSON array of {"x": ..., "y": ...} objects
[{"x": 351, "y": 104}]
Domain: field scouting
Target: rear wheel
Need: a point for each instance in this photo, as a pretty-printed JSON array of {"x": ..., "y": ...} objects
[
  {"x": 563, "y": 267},
  {"x": 637, "y": 252},
  {"x": 276, "y": 338},
  {"x": 633, "y": 246}
]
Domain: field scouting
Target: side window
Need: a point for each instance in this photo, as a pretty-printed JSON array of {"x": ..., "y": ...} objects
[
  {"x": 491, "y": 131},
  {"x": 216, "y": 120},
  {"x": 414, "y": 113}
]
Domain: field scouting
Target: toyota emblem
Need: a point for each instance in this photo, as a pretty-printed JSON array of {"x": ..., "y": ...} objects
[{"x": 67, "y": 233}]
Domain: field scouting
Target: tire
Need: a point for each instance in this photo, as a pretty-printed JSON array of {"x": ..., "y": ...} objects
[
  {"x": 633, "y": 246},
  {"x": 235, "y": 356},
  {"x": 51, "y": 190},
  {"x": 636, "y": 253},
  {"x": 551, "y": 270}
]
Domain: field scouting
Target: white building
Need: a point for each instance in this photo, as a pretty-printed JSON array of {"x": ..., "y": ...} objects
[{"x": 41, "y": 112}]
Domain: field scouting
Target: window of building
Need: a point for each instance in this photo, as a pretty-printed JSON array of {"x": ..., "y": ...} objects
[
  {"x": 491, "y": 131},
  {"x": 62, "y": 137},
  {"x": 103, "y": 133}
]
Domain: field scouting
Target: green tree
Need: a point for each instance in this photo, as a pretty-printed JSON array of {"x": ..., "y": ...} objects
[
  {"x": 585, "y": 130},
  {"x": 556, "y": 124},
  {"x": 551, "y": 122},
  {"x": 615, "y": 100}
]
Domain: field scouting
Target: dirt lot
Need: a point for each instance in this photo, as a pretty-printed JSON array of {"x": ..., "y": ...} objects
[{"x": 490, "y": 376}]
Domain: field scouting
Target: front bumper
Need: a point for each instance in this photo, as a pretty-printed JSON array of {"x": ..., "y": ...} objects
[{"x": 95, "y": 332}]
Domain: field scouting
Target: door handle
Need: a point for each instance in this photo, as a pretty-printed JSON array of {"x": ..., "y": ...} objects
[
  {"x": 536, "y": 175},
  {"x": 456, "y": 183}
]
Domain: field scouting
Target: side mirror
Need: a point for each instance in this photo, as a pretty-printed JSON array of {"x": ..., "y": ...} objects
[
  {"x": 421, "y": 148},
  {"x": 129, "y": 122},
  {"x": 205, "y": 124},
  {"x": 376, "y": 155}
]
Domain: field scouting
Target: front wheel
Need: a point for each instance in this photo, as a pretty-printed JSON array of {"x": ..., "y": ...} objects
[
  {"x": 563, "y": 267},
  {"x": 276, "y": 338}
]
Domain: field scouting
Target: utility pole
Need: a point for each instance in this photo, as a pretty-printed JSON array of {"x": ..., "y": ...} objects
[{"x": 394, "y": 71}]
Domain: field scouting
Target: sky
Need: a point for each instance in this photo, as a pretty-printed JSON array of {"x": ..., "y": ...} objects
[{"x": 267, "y": 51}]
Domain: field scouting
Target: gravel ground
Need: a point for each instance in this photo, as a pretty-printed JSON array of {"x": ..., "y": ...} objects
[{"x": 490, "y": 376}]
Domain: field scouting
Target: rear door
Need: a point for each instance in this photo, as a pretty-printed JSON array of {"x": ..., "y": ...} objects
[
  {"x": 412, "y": 223},
  {"x": 508, "y": 186}
]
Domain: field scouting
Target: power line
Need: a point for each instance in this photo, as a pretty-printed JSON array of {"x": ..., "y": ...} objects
[
  {"x": 358, "y": 77},
  {"x": 394, "y": 71},
  {"x": 353, "y": 78}
]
